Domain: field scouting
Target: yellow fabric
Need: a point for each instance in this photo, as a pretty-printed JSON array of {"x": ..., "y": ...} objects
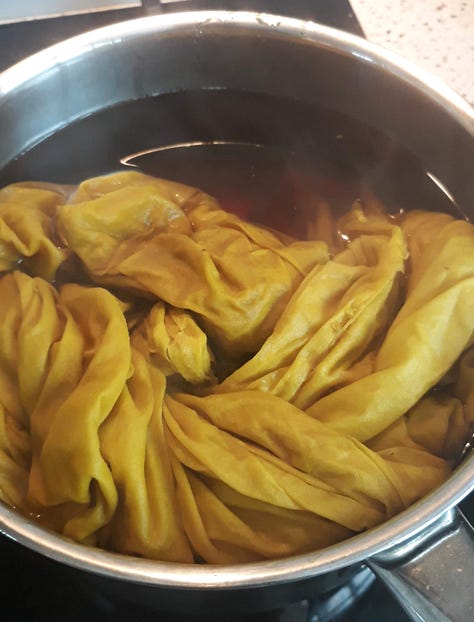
[
  {"x": 176, "y": 343},
  {"x": 330, "y": 324},
  {"x": 237, "y": 395},
  {"x": 67, "y": 377},
  {"x": 176, "y": 244},
  {"x": 433, "y": 327},
  {"x": 26, "y": 215}
]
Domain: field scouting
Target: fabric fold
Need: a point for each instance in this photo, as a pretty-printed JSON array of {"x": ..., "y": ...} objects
[{"x": 174, "y": 243}]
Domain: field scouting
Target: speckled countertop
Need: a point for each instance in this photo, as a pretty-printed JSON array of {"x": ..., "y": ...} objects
[{"x": 438, "y": 36}]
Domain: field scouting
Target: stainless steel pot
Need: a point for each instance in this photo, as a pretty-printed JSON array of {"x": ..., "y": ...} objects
[{"x": 425, "y": 555}]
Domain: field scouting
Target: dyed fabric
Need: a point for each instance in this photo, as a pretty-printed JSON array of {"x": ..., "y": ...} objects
[
  {"x": 26, "y": 229},
  {"x": 174, "y": 243},
  {"x": 211, "y": 391}
]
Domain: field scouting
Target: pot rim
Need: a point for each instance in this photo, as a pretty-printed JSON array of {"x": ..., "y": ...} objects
[
  {"x": 340, "y": 41},
  {"x": 402, "y": 527}
]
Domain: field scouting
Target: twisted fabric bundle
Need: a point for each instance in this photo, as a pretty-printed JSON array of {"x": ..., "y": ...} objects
[{"x": 178, "y": 384}]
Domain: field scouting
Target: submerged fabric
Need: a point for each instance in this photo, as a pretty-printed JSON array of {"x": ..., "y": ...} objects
[
  {"x": 234, "y": 394},
  {"x": 175, "y": 244}
]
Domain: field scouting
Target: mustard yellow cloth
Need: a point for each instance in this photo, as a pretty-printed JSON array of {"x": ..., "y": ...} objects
[
  {"x": 234, "y": 394},
  {"x": 26, "y": 229},
  {"x": 175, "y": 243}
]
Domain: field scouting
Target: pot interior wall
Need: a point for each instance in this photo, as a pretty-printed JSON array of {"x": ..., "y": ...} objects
[
  {"x": 240, "y": 84},
  {"x": 271, "y": 154}
]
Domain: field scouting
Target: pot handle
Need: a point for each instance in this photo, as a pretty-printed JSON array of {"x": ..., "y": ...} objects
[{"x": 431, "y": 574}]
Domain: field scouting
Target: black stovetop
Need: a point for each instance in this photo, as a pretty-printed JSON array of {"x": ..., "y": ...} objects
[{"x": 34, "y": 589}]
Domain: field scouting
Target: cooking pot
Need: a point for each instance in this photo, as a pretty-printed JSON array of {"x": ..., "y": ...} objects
[{"x": 425, "y": 555}]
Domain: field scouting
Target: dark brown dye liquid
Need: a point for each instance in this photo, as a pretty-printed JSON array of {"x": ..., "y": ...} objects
[{"x": 268, "y": 160}]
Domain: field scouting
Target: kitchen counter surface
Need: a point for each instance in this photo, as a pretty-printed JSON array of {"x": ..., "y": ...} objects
[{"x": 435, "y": 35}]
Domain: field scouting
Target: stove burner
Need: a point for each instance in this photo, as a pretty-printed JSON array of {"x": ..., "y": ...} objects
[{"x": 333, "y": 606}]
